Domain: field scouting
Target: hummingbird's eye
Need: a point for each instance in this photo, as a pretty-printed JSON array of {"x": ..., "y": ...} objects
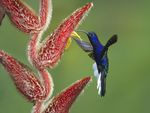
[{"x": 91, "y": 34}]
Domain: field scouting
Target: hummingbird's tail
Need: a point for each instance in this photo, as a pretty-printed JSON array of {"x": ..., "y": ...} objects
[
  {"x": 101, "y": 80},
  {"x": 103, "y": 85}
]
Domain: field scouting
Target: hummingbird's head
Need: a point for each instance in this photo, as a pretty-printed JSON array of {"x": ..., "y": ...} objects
[{"x": 94, "y": 39}]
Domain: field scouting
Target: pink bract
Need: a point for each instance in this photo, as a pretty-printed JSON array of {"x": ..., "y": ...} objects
[{"x": 41, "y": 54}]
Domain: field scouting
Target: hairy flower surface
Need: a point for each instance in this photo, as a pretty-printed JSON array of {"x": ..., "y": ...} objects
[
  {"x": 62, "y": 102},
  {"x": 53, "y": 46},
  {"x": 38, "y": 90},
  {"x": 25, "y": 80},
  {"x": 24, "y": 17}
]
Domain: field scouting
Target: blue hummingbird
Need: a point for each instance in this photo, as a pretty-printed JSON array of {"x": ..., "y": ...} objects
[{"x": 98, "y": 53}]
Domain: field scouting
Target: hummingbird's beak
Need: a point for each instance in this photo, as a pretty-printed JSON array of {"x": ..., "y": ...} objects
[
  {"x": 75, "y": 35},
  {"x": 83, "y": 31}
]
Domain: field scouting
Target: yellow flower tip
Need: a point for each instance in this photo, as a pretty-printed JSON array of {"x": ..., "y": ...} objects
[
  {"x": 75, "y": 34},
  {"x": 68, "y": 43}
]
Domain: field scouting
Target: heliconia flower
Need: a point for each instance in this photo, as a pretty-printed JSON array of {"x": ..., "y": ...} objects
[
  {"x": 38, "y": 90},
  {"x": 62, "y": 102},
  {"x": 98, "y": 53},
  {"x": 23, "y": 17},
  {"x": 45, "y": 13},
  {"x": 30, "y": 86},
  {"x": 25, "y": 80},
  {"x": 56, "y": 43},
  {"x": 51, "y": 49}
]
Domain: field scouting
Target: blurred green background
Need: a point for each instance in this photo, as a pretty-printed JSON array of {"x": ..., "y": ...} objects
[{"x": 128, "y": 82}]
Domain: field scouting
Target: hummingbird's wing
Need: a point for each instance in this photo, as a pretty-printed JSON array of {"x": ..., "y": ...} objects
[
  {"x": 87, "y": 47},
  {"x": 91, "y": 55},
  {"x": 111, "y": 41}
]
